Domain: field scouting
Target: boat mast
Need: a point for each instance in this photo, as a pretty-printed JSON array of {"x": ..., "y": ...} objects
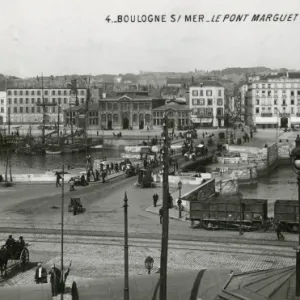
[
  {"x": 58, "y": 109},
  {"x": 88, "y": 95}
]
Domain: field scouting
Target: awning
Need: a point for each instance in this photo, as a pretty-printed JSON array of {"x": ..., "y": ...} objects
[
  {"x": 202, "y": 120},
  {"x": 200, "y": 146},
  {"x": 295, "y": 120},
  {"x": 266, "y": 120}
]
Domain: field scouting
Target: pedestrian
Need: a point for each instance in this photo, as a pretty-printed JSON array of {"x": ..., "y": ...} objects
[
  {"x": 161, "y": 213},
  {"x": 97, "y": 175},
  {"x": 40, "y": 274},
  {"x": 112, "y": 166},
  {"x": 278, "y": 230},
  {"x": 155, "y": 199},
  {"x": 55, "y": 276},
  {"x": 251, "y": 134},
  {"x": 88, "y": 176},
  {"x": 108, "y": 169},
  {"x": 97, "y": 133},
  {"x": 103, "y": 175},
  {"x": 82, "y": 180},
  {"x": 58, "y": 177},
  {"x": 72, "y": 184}
]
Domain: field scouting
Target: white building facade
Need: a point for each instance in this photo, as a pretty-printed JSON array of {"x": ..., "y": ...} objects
[
  {"x": 3, "y": 107},
  {"x": 207, "y": 103},
  {"x": 274, "y": 100},
  {"x": 25, "y": 105}
]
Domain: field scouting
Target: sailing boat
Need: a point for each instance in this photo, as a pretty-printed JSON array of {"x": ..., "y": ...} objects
[{"x": 28, "y": 149}]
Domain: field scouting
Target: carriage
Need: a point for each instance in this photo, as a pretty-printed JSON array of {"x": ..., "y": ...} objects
[
  {"x": 75, "y": 206},
  {"x": 17, "y": 252}
]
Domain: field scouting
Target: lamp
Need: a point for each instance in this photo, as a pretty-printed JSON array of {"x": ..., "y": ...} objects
[
  {"x": 295, "y": 161},
  {"x": 149, "y": 261}
]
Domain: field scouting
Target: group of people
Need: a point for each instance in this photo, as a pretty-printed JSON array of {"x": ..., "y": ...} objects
[
  {"x": 12, "y": 245},
  {"x": 56, "y": 280}
]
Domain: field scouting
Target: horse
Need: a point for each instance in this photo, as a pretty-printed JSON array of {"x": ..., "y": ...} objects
[{"x": 4, "y": 256}]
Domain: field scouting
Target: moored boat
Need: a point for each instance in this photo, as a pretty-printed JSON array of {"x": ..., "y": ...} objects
[{"x": 49, "y": 152}]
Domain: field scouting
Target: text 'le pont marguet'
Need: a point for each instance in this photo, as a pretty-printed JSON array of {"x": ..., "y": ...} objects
[{"x": 201, "y": 18}]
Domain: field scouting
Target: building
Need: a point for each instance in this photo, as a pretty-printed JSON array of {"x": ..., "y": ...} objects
[
  {"x": 206, "y": 102},
  {"x": 25, "y": 100},
  {"x": 178, "y": 115},
  {"x": 126, "y": 110},
  {"x": 273, "y": 100},
  {"x": 3, "y": 107},
  {"x": 242, "y": 93}
]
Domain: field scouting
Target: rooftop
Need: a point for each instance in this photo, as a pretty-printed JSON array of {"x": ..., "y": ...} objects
[
  {"x": 173, "y": 105},
  {"x": 207, "y": 83}
]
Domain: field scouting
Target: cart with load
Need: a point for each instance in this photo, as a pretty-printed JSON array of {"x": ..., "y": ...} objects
[{"x": 75, "y": 206}]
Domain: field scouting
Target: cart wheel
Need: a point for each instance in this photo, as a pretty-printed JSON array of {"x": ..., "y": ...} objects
[{"x": 24, "y": 259}]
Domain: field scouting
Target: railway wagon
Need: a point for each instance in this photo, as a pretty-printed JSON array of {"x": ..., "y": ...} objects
[
  {"x": 287, "y": 213},
  {"x": 229, "y": 213}
]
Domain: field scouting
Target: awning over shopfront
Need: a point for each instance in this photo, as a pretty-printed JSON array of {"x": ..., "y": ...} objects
[
  {"x": 266, "y": 120},
  {"x": 202, "y": 120},
  {"x": 295, "y": 120}
]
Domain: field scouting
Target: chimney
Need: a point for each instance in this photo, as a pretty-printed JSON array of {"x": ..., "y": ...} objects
[{"x": 287, "y": 74}]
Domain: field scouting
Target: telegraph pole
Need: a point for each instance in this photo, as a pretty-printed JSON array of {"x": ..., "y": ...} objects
[
  {"x": 62, "y": 233},
  {"x": 165, "y": 225},
  {"x": 126, "y": 269},
  {"x": 88, "y": 95}
]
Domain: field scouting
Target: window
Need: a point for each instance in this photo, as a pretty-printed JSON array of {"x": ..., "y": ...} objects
[
  {"x": 21, "y": 93},
  {"x": 269, "y": 86},
  {"x": 26, "y": 100},
  {"x": 21, "y": 109},
  {"x": 82, "y": 100},
  {"x": 59, "y": 93},
  {"x": 65, "y": 100},
  {"x": 53, "y": 93},
  {"x": 38, "y": 100},
  {"x": 9, "y": 93},
  {"x": 209, "y": 93},
  {"x": 135, "y": 106},
  {"x": 46, "y": 100},
  {"x": 15, "y": 100},
  {"x": 275, "y": 102},
  {"x": 220, "y": 93},
  {"x": 257, "y": 110},
  {"x": 21, "y": 100},
  {"x": 27, "y": 109},
  {"x": 15, "y": 110},
  {"x": 82, "y": 92},
  {"x": 269, "y": 93},
  {"x": 65, "y": 92},
  {"x": 201, "y": 93},
  {"x": 2, "y": 109},
  {"x": 292, "y": 110},
  {"x": 32, "y": 109},
  {"x": 142, "y": 105},
  {"x": 194, "y": 93},
  {"x": 298, "y": 93},
  {"x": 201, "y": 101},
  {"x": 283, "y": 91},
  {"x": 219, "y": 102},
  {"x": 263, "y": 86},
  {"x": 292, "y": 101},
  {"x": 27, "y": 93},
  {"x": 298, "y": 101},
  {"x": 2, "y": 101},
  {"x": 46, "y": 93},
  {"x": 209, "y": 102},
  {"x": 15, "y": 93},
  {"x": 38, "y": 109},
  {"x": 32, "y": 93},
  {"x": 257, "y": 101},
  {"x": 53, "y": 100},
  {"x": 38, "y": 93},
  {"x": 109, "y": 106},
  {"x": 9, "y": 101},
  {"x": 283, "y": 102},
  {"x": 147, "y": 105},
  {"x": 195, "y": 101},
  {"x": 292, "y": 93}
]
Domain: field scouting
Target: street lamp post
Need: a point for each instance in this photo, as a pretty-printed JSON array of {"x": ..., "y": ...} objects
[
  {"x": 179, "y": 199},
  {"x": 295, "y": 161}
]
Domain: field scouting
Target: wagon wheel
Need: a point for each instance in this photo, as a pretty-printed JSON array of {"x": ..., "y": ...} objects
[{"x": 24, "y": 259}]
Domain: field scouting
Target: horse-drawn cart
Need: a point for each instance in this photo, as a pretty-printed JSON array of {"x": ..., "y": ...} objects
[
  {"x": 75, "y": 206},
  {"x": 16, "y": 252}
]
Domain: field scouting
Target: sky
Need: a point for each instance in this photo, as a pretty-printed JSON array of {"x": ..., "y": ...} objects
[{"x": 57, "y": 37}]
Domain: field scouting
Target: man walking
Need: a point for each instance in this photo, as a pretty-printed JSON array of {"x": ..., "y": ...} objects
[
  {"x": 161, "y": 213},
  {"x": 40, "y": 274},
  {"x": 278, "y": 230},
  {"x": 58, "y": 178},
  {"x": 155, "y": 199}
]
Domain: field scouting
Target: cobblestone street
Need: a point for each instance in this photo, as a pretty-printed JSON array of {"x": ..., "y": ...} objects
[{"x": 103, "y": 257}]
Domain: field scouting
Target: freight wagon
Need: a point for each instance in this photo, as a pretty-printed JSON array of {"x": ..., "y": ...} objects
[{"x": 287, "y": 213}]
